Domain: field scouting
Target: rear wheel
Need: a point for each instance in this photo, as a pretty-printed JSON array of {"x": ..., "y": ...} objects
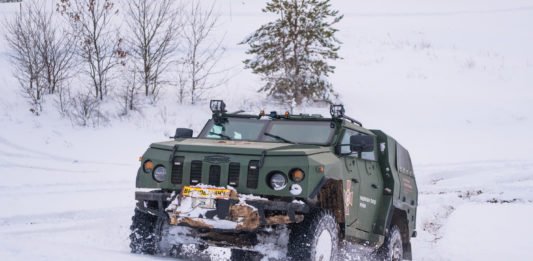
[
  {"x": 316, "y": 238},
  {"x": 244, "y": 255},
  {"x": 392, "y": 248}
]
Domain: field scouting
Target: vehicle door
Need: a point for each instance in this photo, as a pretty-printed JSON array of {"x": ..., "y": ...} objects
[
  {"x": 371, "y": 185},
  {"x": 352, "y": 180}
]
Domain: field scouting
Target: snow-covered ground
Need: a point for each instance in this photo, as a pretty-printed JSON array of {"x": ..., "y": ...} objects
[{"x": 450, "y": 79}]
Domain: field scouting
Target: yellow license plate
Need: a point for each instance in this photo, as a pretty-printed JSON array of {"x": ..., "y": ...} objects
[{"x": 196, "y": 192}]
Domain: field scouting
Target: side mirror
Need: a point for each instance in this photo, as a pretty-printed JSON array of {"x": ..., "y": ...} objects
[
  {"x": 361, "y": 143},
  {"x": 182, "y": 133}
]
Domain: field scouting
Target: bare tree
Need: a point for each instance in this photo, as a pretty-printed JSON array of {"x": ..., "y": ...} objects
[
  {"x": 98, "y": 42},
  {"x": 23, "y": 38},
  {"x": 202, "y": 53},
  {"x": 42, "y": 57},
  {"x": 154, "y": 29},
  {"x": 56, "y": 49}
]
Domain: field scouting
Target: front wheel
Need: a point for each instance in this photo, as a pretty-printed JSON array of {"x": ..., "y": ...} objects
[
  {"x": 143, "y": 237},
  {"x": 316, "y": 238},
  {"x": 392, "y": 248},
  {"x": 244, "y": 255}
]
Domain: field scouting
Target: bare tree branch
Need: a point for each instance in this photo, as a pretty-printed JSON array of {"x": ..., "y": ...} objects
[
  {"x": 42, "y": 59},
  {"x": 154, "y": 27},
  {"x": 98, "y": 44},
  {"x": 55, "y": 48},
  {"x": 202, "y": 53}
]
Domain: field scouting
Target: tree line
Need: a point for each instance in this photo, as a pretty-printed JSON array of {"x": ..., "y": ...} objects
[{"x": 131, "y": 53}]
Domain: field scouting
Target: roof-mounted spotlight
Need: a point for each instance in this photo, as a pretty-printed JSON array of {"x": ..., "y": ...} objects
[
  {"x": 337, "y": 111},
  {"x": 217, "y": 106}
]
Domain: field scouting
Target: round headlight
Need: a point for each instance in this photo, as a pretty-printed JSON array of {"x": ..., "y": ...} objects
[
  {"x": 160, "y": 174},
  {"x": 297, "y": 175},
  {"x": 278, "y": 181},
  {"x": 148, "y": 166}
]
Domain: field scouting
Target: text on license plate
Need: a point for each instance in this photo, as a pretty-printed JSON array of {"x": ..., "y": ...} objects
[{"x": 196, "y": 192}]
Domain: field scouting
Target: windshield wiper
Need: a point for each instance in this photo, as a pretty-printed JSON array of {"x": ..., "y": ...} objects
[
  {"x": 278, "y": 138},
  {"x": 220, "y": 135}
]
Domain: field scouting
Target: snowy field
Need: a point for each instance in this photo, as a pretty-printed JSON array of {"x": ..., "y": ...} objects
[{"x": 452, "y": 80}]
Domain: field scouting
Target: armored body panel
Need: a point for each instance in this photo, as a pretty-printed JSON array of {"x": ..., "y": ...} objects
[{"x": 250, "y": 173}]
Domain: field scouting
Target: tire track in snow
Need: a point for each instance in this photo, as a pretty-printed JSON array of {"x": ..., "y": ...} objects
[
  {"x": 59, "y": 218},
  {"x": 20, "y": 166},
  {"x": 35, "y": 154}
]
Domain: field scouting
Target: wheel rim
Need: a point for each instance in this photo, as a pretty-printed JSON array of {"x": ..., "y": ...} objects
[
  {"x": 324, "y": 246},
  {"x": 397, "y": 251}
]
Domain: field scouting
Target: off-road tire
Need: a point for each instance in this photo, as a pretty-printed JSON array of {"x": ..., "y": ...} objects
[
  {"x": 392, "y": 248},
  {"x": 244, "y": 255},
  {"x": 304, "y": 237},
  {"x": 143, "y": 238}
]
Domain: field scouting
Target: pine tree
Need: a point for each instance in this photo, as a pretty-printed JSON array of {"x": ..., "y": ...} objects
[{"x": 292, "y": 53}]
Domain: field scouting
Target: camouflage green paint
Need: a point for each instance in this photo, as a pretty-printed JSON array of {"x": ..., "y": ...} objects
[{"x": 377, "y": 185}]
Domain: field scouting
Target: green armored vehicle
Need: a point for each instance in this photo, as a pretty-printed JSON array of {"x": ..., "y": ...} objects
[{"x": 307, "y": 183}]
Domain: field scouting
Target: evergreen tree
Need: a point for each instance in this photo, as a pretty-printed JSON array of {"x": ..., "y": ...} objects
[{"x": 292, "y": 53}]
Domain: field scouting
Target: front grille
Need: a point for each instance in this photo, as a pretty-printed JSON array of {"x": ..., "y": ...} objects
[
  {"x": 214, "y": 175},
  {"x": 196, "y": 172},
  {"x": 253, "y": 174},
  {"x": 233, "y": 174},
  {"x": 177, "y": 170}
]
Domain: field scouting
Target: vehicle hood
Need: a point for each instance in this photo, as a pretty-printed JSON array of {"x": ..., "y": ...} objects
[{"x": 239, "y": 147}]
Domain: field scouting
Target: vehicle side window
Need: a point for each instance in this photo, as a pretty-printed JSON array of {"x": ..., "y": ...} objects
[
  {"x": 403, "y": 160},
  {"x": 345, "y": 149}
]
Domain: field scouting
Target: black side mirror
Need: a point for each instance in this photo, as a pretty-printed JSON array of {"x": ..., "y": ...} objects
[
  {"x": 182, "y": 133},
  {"x": 361, "y": 143}
]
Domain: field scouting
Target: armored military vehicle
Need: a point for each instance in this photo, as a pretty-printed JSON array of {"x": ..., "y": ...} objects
[{"x": 245, "y": 177}]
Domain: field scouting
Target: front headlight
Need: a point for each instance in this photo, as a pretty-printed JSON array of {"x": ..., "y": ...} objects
[
  {"x": 278, "y": 181},
  {"x": 160, "y": 174}
]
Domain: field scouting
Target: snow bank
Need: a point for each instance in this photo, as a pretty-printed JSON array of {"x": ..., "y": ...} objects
[{"x": 489, "y": 232}]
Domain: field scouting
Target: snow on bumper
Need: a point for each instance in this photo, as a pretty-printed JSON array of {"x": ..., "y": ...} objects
[{"x": 237, "y": 213}]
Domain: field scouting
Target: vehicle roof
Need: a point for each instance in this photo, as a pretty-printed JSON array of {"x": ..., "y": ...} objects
[
  {"x": 356, "y": 127},
  {"x": 304, "y": 117}
]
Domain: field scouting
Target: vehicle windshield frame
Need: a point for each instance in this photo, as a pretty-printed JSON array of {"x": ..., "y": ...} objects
[{"x": 268, "y": 126}]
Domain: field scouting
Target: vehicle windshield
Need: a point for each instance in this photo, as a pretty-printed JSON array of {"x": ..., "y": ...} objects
[
  {"x": 234, "y": 129},
  {"x": 283, "y": 131},
  {"x": 305, "y": 132}
]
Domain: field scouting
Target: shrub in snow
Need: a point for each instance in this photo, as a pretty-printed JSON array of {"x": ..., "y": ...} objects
[{"x": 85, "y": 110}]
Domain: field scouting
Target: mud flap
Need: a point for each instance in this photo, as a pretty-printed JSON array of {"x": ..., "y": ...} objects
[{"x": 407, "y": 253}]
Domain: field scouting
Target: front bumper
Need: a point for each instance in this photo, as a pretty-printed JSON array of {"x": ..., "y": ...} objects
[{"x": 235, "y": 215}]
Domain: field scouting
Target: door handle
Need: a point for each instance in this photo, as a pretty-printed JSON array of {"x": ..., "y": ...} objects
[
  {"x": 374, "y": 186},
  {"x": 354, "y": 180}
]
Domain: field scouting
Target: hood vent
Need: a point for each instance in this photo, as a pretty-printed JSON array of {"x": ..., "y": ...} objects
[
  {"x": 196, "y": 172},
  {"x": 177, "y": 170},
  {"x": 233, "y": 174},
  {"x": 214, "y": 175},
  {"x": 252, "y": 180}
]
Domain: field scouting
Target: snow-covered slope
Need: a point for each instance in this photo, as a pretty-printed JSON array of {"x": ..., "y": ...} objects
[{"x": 451, "y": 80}]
